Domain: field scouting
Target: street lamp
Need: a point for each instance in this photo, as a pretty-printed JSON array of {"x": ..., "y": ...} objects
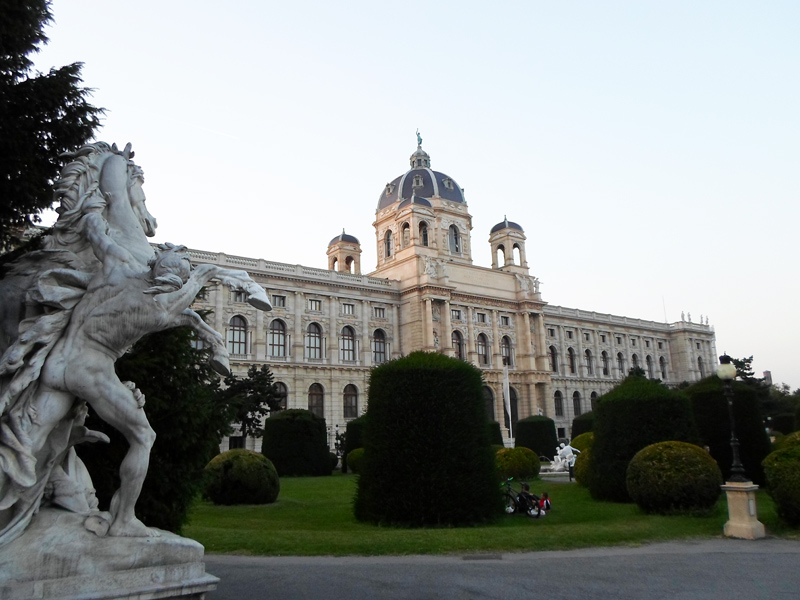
[{"x": 727, "y": 372}]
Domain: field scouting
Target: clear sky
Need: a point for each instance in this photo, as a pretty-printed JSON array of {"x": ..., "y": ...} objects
[{"x": 649, "y": 149}]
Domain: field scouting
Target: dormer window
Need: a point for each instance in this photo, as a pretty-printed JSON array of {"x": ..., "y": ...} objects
[
  {"x": 417, "y": 179},
  {"x": 389, "y": 189},
  {"x": 448, "y": 183}
]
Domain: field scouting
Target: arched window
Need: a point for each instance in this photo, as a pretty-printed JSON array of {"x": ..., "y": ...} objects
[
  {"x": 488, "y": 400},
  {"x": 423, "y": 233},
  {"x": 576, "y": 403},
  {"x": 458, "y": 344},
  {"x": 589, "y": 365},
  {"x": 350, "y": 401},
  {"x": 514, "y": 405},
  {"x": 483, "y": 349},
  {"x": 701, "y": 367},
  {"x": 314, "y": 341},
  {"x": 406, "y": 235},
  {"x": 663, "y": 366},
  {"x": 571, "y": 359},
  {"x": 649, "y": 362},
  {"x": 237, "y": 335},
  {"x": 501, "y": 255},
  {"x": 604, "y": 359},
  {"x": 316, "y": 400},
  {"x": 593, "y": 400},
  {"x": 455, "y": 239},
  {"x": 348, "y": 262},
  {"x": 347, "y": 344},
  {"x": 281, "y": 394},
  {"x": 277, "y": 338},
  {"x": 554, "y": 359},
  {"x": 621, "y": 364},
  {"x": 505, "y": 350},
  {"x": 558, "y": 400},
  {"x": 635, "y": 361},
  {"x": 388, "y": 242},
  {"x": 379, "y": 347},
  {"x": 334, "y": 263},
  {"x": 517, "y": 255}
]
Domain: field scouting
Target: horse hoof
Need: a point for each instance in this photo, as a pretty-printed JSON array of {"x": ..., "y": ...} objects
[
  {"x": 259, "y": 301},
  {"x": 220, "y": 364}
]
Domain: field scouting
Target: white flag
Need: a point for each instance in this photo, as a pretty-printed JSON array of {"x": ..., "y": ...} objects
[{"x": 507, "y": 398}]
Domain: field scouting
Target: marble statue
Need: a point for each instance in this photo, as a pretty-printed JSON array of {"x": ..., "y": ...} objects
[{"x": 68, "y": 312}]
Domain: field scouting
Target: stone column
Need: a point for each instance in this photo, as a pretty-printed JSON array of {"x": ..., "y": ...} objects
[
  {"x": 428, "y": 325},
  {"x": 366, "y": 348},
  {"x": 471, "y": 335},
  {"x": 497, "y": 361},
  {"x": 393, "y": 349},
  {"x": 299, "y": 338},
  {"x": 527, "y": 356},
  {"x": 445, "y": 336},
  {"x": 333, "y": 335}
]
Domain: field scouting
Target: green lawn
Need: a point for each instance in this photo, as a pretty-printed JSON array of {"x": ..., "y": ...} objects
[{"x": 313, "y": 516}]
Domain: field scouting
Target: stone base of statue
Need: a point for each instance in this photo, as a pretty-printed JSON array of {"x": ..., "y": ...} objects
[
  {"x": 743, "y": 520},
  {"x": 57, "y": 557}
]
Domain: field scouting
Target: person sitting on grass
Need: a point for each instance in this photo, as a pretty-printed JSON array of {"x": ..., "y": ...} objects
[{"x": 544, "y": 502}]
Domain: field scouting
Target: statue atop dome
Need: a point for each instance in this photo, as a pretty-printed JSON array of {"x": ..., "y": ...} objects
[{"x": 419, "y": 140}]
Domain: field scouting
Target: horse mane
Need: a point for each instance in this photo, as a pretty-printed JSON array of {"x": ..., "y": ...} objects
[{"x": 77, "y": 190}]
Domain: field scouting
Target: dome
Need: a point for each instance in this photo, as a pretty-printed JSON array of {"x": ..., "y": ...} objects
[
  {"x": 344, "y": 237},
  {"x": 420, "y": 183},
  {"x": 506, "y": 224}
]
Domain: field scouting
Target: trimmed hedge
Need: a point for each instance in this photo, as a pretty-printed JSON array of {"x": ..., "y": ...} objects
[
  {"x": 296, "y": 441},
  {"x": 539, "y": 434},
  {"x": 520, "y": 463},
  {"x": 711, "y": 415},
  {"x": 782, "y": 471},
  {"x": 427, "y": 438},
  {"x": 636, "y": 413},
  {"x": 674, "y": 478},
  {"x": 241, "y": 477},
  {"x": 355, "y": 459},
  {"x": 584, "y": 443},
  {"x": 495, "y": 435},
  {"x": 787, "y": 441},
  {"x": 353, "y": 438},
  {"x": 582, "y": 424}
]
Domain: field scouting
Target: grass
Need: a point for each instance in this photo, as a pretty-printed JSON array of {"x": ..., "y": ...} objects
[{"x": 313, "y": 516}]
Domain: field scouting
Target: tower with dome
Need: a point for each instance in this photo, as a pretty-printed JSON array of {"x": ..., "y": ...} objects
[{"x": 329, "y": 327}]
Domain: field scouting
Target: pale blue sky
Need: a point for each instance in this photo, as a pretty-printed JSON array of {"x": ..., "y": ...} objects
[{"x": 648, "y": 149}]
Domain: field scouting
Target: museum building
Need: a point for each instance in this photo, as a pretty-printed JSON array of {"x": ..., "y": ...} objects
[{"x": 328, "y": 328}]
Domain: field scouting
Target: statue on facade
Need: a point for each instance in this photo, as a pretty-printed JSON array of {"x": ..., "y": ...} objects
[
  {"x": 68, "y": 313},
  {"x": 431, "y": 267}
]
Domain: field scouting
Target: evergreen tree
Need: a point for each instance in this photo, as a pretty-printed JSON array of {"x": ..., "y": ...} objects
[
  {"x": 41, "y": 116},
  {"x": 251, "y": 398}
]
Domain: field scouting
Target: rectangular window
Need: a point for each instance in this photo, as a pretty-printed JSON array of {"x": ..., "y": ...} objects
[
  {"x": 647, "y": 343},
  {"x": 455, "y": 314},
  {"x": 278, "y": 301},
  {"x": 633, "y": 341},
  {"x": 239, "y": 296},
  {"x": 348, "y": 309},
  {"x": 551, "y": 332},
  {"x": 569, "y": 334},
  {"x": 586, "y": 336},
  {"x": 698, "y": 345},
  {"x": 505, "y": 321},
  {"x": 660, "y": 345},
  {"x": 481, "y": 317},
  {"x": 380, "y": 312},
  {"x": 619, "y": 340},
  {"x": 602, "y": 338},
  {"x": 562, "y": 432},
  {"x": 315, "y": 305}
]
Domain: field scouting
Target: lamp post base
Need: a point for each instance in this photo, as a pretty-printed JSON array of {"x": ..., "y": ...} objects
[{"x": 743, "y": 520}]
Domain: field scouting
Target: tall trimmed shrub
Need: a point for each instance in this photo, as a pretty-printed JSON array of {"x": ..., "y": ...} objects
[
  {"x": 296, "y": 441},
  {"x": 636, "y": 413},
  {"x": 427, "y": 459},
  {"x": 710, "y": 409},
  {"x": 520, "y": 463},
  {"x": 582, "y": 424},
  {"x": 495, "y": 435},
  {"x": 353, "y": 438},
  {"x": 538, "y": 434}
]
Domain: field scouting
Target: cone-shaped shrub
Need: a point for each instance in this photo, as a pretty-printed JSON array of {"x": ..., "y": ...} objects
[
  {"x": 582, "y": 424},
  {"x": 353, "y": 438},
  {"x": 427, "y": 459},
  {"x": 538, "y": 434},
  {"x": 636, "y": 413},
  {"x": 674, "y": 478},
  {"x": 782, "y": 470},
  {"x": 495, "y": 435},
  {"x": 241, "y": 477},
  {"x": 710, "y": 409},
  {"x": 296, "y": 442}
]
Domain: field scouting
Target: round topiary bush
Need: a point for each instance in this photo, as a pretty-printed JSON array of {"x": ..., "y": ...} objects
[
  {"x": 786, "y": 441},
  {"x": 674, "y": 478},
  {"x": 782, "y": 471},
  {"x": 582, "y": 465},
  {"x": 519, "y": 463},
  {"x": 296, "y": 441},
  {"x": 583, "y": 441},
  {"x": 241, "y": 477},
  {"x": 355, "y": 459}
]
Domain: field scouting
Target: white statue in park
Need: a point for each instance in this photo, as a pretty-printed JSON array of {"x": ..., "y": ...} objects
[
  {"x": 564, "y": 458},
  {"x": 68, "y": 312}
]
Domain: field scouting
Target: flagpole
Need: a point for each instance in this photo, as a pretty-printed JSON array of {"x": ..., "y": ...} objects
[{"x": 507, "y": 399}]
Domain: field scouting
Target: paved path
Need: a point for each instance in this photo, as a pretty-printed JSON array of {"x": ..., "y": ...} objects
[{"x": 709, "y": 569}]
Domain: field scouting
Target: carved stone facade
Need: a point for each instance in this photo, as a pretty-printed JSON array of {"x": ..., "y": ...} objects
[{"x": 427, "y": 295}]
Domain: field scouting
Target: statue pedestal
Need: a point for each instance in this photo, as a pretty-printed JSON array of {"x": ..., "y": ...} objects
[
  {"x": 742, "y": 515},
  {"x": 57, "y": 557}
]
